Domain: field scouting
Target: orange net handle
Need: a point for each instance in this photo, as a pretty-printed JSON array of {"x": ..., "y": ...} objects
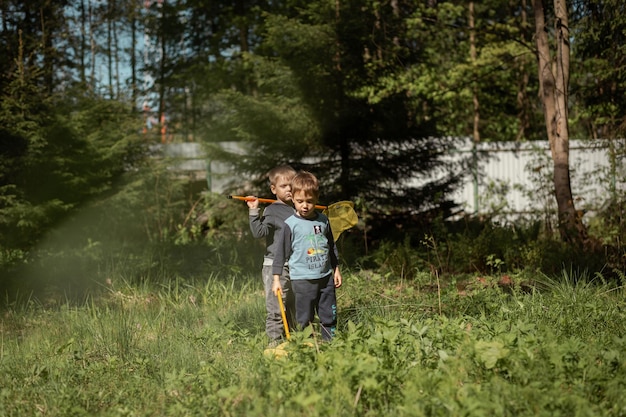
[{"x": 264, "y": 200}]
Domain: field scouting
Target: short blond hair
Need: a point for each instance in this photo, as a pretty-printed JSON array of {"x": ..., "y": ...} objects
[
  {"x": 282, "y": 171},
  {"x": 306, "y": 182}
]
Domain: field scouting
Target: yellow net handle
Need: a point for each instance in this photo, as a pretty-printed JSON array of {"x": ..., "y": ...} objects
[{"x": 279, "y": 295}]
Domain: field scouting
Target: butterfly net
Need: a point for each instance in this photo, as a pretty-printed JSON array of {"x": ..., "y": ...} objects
[{"x": 341, "y": 216}]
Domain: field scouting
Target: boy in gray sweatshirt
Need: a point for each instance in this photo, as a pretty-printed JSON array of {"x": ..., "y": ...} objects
[{"x": 269, "y": 225}]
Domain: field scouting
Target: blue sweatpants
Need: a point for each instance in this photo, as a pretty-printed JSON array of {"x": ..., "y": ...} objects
[{"x": 316, "y": 296}]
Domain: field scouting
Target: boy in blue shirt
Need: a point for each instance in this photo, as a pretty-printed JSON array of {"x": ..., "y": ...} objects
[
  {"x": 307, "y": 243},
  {"x": 270, "y": 225}
]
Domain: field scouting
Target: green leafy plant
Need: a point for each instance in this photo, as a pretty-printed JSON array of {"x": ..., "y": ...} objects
[
  {"x": 195, "y": 347},
  {"x": 397, "y": 260}
]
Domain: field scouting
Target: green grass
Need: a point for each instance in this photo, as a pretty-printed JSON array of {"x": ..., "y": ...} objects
[{"x": 190, "y": 348}]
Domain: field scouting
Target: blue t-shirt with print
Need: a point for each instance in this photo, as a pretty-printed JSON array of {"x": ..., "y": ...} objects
[{"x": 308, "y": 245}]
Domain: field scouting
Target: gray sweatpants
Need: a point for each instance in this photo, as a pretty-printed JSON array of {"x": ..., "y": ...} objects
[{"x": 274, "y": 322}]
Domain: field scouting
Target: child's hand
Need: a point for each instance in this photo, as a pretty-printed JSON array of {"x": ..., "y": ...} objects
[
  {"x": 338, "y": 279},
  {"x": 276, "y": 285},
  {"x": 252, "y": 201}
]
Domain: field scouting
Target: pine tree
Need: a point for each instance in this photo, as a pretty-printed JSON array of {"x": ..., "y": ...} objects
[{"x": 316, "y": 106}]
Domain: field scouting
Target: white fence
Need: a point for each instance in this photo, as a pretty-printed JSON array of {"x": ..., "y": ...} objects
[
  {"x": 516, "y": 178},
  {"x": 190, "y": 158},
  {"x": 512, "y": 177}
]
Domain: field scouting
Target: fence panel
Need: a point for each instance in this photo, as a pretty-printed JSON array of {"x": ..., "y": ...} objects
[
  {"x": 516, "y": 178},
  {"x": 513, "y": 178}
]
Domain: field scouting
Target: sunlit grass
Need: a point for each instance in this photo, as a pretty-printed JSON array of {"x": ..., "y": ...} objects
[{"x": 195, "y": 347}]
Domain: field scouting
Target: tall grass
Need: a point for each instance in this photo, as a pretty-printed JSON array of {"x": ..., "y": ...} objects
[
  {"x": 115, "y": 353},
  {"x": 195, "y": 347}
]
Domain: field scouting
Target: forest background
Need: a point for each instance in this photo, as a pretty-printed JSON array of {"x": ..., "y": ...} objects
[{"x": 368, "y": 95}]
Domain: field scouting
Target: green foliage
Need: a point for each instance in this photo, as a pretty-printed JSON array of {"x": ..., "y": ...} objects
[
  {"x": 608, "y": 227},
  {"x": 305, "y": 108},
  {"x": 147, "y": 230},
  {"x": 484, "y": 246},
  {"x": 397, "y": 260},
  {"x": 362, "y": 87},
  {"x": 195, "y": 347},
  {"x": 131, "y": 341},
  {"x": 56, "y": 156},
  {"x": 601, "y": 96},
  {"x": 272, "y": 127}
]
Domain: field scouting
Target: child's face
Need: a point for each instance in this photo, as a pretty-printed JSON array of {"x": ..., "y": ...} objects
[
  {"x": 304, "y": 204},
  {"x": 282, "y": 189}
]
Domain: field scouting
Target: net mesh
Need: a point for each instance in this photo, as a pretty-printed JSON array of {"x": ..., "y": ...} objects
[{"x": 341, "y": 216}]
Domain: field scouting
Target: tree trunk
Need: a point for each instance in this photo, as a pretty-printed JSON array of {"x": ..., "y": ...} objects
[
  {"x": 341, "y": 137},
  {"x": 133, "y": 53},
  {"x": 523, "y": 101},
  {"x": 242, "y": 25},
  {"x": 48, "y": 50},
  {"x": 109, "y": 50},
  {"x": 116, "y": 48},
  {"x": 553, "y": 85},
  {"x": 161, "y": 42},
  {"x": 472, "y": 36},
  {"x": 83, "y": 48},
  {"x": 92, "y": 47}
]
